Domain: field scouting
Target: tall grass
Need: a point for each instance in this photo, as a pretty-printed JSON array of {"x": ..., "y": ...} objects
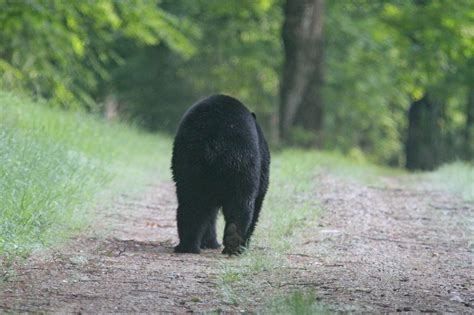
[
  {"x": 41, "y": 186},
  {"x": 53, "y": 164}
]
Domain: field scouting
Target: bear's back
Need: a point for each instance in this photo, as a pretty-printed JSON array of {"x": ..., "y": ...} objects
[
  {"x": 217, "y": 118},
  {"x": 217, "y": 136}
]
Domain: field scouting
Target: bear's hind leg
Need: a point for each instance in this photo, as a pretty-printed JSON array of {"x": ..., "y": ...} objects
[
  {"x": 238, "y": 217},
  {"x": 248, "y": 235},
  {"x": 209, "y": 238},
  {"x": 192, "y": 221}
]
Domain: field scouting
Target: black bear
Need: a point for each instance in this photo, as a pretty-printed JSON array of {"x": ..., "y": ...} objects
[{"x": 220, "y": 160}]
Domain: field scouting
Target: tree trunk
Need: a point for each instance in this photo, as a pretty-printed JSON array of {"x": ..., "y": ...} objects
[
  {"x": 301, "y": 101},
  {"x": 424, "y": 142}
]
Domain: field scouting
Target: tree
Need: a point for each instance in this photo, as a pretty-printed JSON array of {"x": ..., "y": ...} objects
[
  {"x": 301, "y": 86},
  {"x": 435, "y": 45},
  {"x": 423, "y": 147},
  {"x": 59, "y": 50}
]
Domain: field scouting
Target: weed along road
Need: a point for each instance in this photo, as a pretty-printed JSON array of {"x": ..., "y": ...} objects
[{"x": 351, "y": 247}]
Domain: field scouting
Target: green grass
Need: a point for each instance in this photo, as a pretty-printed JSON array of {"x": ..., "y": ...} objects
[
  {"x": 54, "y": 164},
  {"x": 457, "y": 178},
  {"x": 349, "y": 169},
  {"x": 297, "y": 303}
]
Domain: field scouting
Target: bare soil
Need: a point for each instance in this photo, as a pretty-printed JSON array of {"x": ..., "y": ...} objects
[{"x": 391, "y": 249}]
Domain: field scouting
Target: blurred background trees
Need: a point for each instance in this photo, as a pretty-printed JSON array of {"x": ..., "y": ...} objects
[
  {"x": 390, "y": 81},
  {"x": 61, "y": 50},
  {"x": 302, "y": 81}
]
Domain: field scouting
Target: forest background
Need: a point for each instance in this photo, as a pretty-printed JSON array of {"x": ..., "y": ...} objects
[{"x": 386, "y": 81}]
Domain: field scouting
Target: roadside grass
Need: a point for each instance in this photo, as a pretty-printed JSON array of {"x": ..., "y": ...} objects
[
  {"x": 457, "y": 178},
  {"x": 356, "y": 170},
  {"x": 54, "y": 164},
  {"x": 296, "y": 303}
]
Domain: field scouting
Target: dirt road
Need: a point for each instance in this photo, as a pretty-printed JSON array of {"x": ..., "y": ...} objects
[{"x": 373, "y": 250}]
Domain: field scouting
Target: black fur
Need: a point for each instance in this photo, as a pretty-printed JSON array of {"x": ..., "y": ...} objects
[{"x": 220, "y": 160}]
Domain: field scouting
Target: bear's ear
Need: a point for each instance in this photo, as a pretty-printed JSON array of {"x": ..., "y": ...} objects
[{"x": 254, "y": 116}]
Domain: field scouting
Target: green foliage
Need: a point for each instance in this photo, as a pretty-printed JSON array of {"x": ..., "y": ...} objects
[
  {"x": 435, "y": 38},
  {"x": 59, "y": 50},
  {"x": 158, "y": 57},
  {"x": 301, "y": 137},
  {"x": 54, "y": 163},
  {"x": 365, "y": 108},
  {"x": 373, "y": 70},
  {"x": 244, "y": 56},
  {"x": 383, "y": 54},
  {"x": 436, "y": 44},
  {"x": 238, "y": 52}
]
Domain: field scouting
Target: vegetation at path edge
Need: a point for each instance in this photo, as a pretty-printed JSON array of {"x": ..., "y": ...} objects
[
  {"x": 457, "y": 178},
  {"x": 53, "y": 164}
]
